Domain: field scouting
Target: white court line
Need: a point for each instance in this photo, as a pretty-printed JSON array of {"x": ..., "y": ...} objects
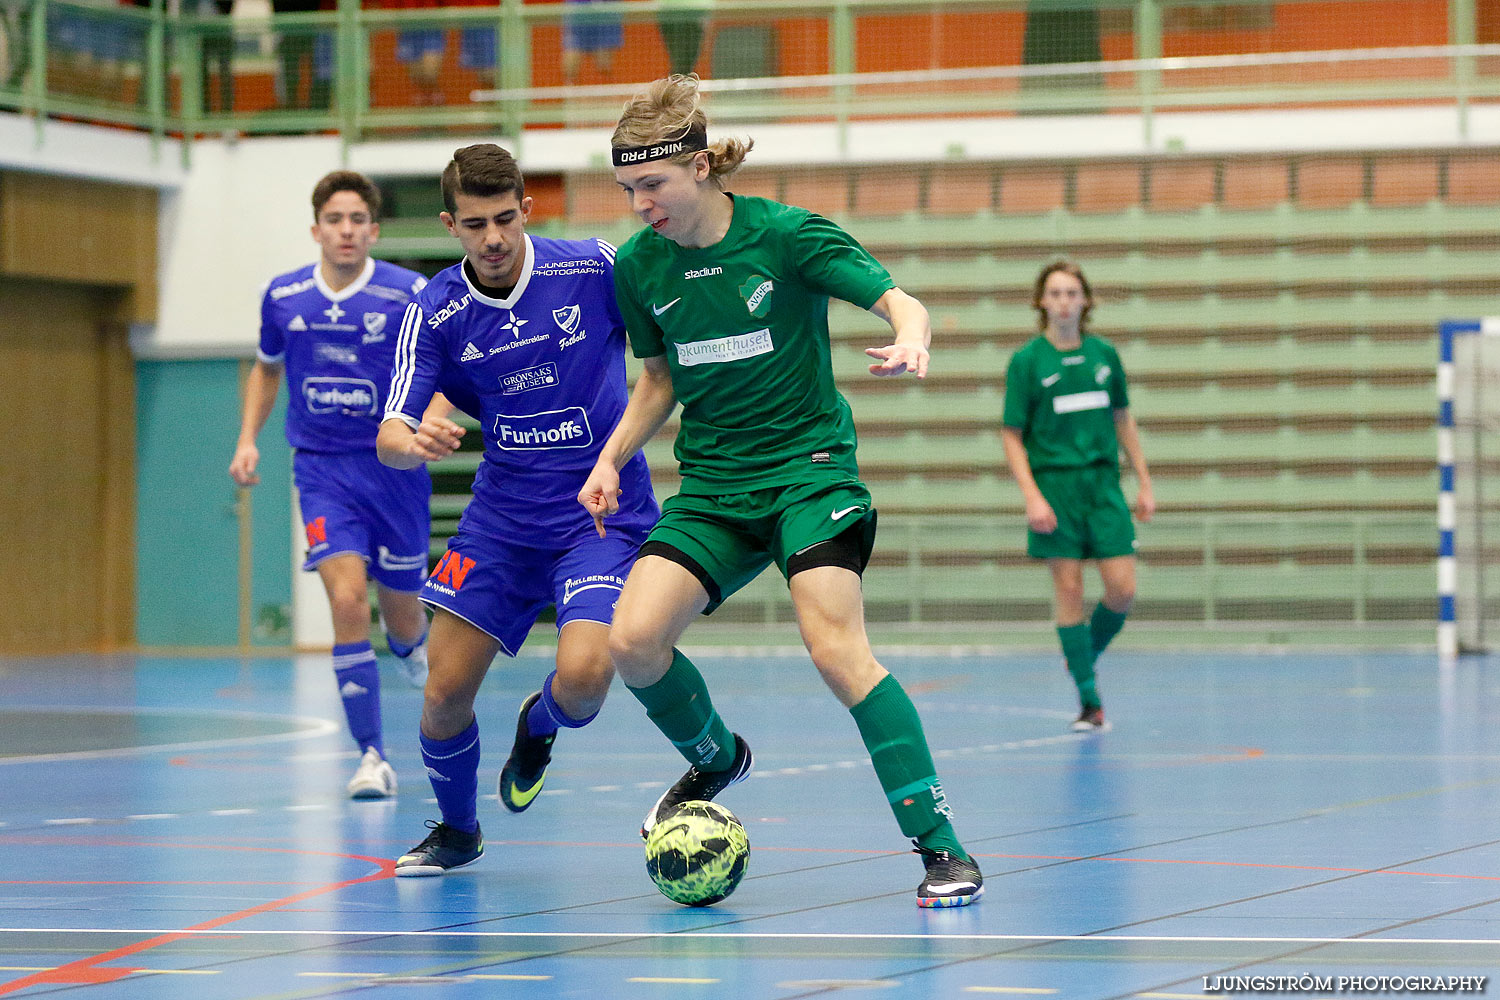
[
  {"x": 311, "y": 728},
  {"x": 755, "y": 936}
]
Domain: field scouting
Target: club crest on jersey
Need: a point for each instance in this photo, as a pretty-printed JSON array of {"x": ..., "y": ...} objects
[
  {"x": 374, "y": 327},
  {"x": 757, "y": 293},
  {"x": 566, "y": 318}
]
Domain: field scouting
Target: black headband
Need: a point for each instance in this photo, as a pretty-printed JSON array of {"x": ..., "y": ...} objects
[{"x": 694, "y": 139}]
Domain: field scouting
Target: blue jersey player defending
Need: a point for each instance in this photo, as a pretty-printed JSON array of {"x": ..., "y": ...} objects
[
  {"x": 524, "y": 335},
  {"x": 332, "y": 326}
]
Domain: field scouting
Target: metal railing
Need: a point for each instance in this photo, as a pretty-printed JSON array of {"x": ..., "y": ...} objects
[{"x": 339, "y": 70}]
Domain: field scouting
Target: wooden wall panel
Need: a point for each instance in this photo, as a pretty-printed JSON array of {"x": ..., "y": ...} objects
[
  {"x": 69, "y": 469},
  {"x": 82, "y": 231}
]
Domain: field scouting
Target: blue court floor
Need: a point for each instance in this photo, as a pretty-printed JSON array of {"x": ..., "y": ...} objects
[{"x": 176, "y": 828}]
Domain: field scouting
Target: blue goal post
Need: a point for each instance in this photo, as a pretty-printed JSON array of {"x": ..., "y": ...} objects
[{"x": 1468, "y": 389}]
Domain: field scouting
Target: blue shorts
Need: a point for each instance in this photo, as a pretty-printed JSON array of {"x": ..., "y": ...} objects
[
  {"x": 590, "y": 31},
  {"x": 476, "y": 48},
  {"x": 500, "y": 588},
  {"x": 414, "y": 44},
  {"x": 352, "y": 503}
]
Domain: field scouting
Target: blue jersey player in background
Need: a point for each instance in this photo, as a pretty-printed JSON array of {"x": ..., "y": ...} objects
[
  {"x": 524, "y": 335},
  {"x": 332, "y": 327}
]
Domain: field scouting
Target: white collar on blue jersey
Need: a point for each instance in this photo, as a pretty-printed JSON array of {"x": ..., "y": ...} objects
[
  {"x": 514, "y": 298},
  {"x": 354, "y": 287}
]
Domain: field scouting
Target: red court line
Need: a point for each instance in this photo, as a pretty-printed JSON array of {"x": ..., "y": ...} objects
[{"x": 87, "y": 970}]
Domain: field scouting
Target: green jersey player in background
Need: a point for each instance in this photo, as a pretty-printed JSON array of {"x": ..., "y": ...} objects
[
  {"x": 725, "y": 300},
  {"x": 1066, "y": 418}
]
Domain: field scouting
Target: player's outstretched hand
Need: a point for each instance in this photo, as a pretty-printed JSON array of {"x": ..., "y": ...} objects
[
  {"x": 242, "y": 466},
  {"x": 1040, "y": 516},
  {"x": 600, "y": 495},
  {"x": 436, "y": 438},
  {"x": 898, "y": 359}
]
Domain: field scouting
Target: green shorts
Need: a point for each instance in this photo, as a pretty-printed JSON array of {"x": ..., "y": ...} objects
[
  {"x": 1093, "y": 519},
  {"x": 731, "y": 538}
]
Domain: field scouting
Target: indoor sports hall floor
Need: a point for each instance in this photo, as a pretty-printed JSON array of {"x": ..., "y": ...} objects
[{"x": 175, "y": 827}]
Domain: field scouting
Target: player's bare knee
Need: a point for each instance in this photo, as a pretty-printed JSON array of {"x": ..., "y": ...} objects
[{"x": 586, "y": 678}]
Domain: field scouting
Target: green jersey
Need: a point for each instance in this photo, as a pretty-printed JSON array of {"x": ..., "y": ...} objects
[
  {"x": 1063, "y": 402},
  {"x": 744, "y": 328}
]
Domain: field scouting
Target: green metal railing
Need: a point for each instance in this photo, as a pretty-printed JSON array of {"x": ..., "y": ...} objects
[{"x": 155, "y": 76}]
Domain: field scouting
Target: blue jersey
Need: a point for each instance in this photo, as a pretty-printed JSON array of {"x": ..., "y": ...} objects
[
  {"x": 337, "y": 348},
  {"x": 543, "y": 371}
]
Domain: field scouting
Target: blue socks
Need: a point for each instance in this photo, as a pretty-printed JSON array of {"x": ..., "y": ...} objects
[
  {"x": 400, "y": 648},
  {"x": 547, "y": 716},
  {"x": 359, "y": 685},
  {"x": 453, "y": 769}
]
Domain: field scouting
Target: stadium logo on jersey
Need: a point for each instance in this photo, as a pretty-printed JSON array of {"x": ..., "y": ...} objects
[
  {"x": 537, "y": 377},
  {"x": 297, "y": 325},
  {"x": 566, "y": 318},
  {"x": 545, "y": 431},
  {"x": 577, "y": 585},
  {"x": 703, "y": 272},
  {"x": 714, "y": 352},
  {"x": 451, "y": 571},
  {"x": 374, "y": 328},
  {"x": 757, "y": 293},
  {"x": 292, "y": 289},
  {"x": 354, "y": 396},
  {"x": 341, "y": 354},
  {"x": 452, "y": 308}
]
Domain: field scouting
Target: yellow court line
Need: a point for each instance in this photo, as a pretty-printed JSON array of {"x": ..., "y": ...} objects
[
  {"x": 529, "y": 979},
  {"x": 667, "y": 979}
]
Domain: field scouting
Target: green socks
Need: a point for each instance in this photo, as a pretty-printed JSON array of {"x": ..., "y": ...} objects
[
  {"x": 1078, "y": 650},
  {"x": 1104, "y": 626},
  {"x": 892, "y": 731},
  {"x": 680, "y": 707}
]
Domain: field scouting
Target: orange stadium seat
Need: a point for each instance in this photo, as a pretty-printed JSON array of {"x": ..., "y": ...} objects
[
  {"x": 960, "y": 190},
  {"x": 823, "y": 191},
  {"x": 1404, "y": 180},
  {"x": 1177, "y": 187},
  {"x": 887, "y": 191},
  {"x": 1330, "y": 183},
  {"x": 1474, "y": 179},
  {"x": 1106, "y": 187},
  {"x": 1255, "y": 183},
  {"x": 1025, "y": 190}
]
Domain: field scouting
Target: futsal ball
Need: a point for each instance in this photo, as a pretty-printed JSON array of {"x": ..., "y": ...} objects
[{"x": 696, "y": 853}]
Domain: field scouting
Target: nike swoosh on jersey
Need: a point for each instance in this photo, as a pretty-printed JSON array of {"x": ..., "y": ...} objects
[
  {"x": 523, "y": 798},
  {"x": 847, "y": 510},
  {"x": 1051, "y": 378},
  {"x": 664, "y": 308}
]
